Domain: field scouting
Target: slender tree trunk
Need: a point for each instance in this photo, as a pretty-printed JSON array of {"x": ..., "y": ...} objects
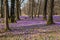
[
  {"x": 50, "y": 15},
  {"x": 20, "y": 7},
  {"x": 34, "y": 8},
  {"x": 2, "y": 15},
  {"x": 32, "y": 5},
  {"x": 12, "y": 16},
  {"x": 45, "y": 9},
  {"x": 21, "y": 1},
  {"x": 5, "y": 2},
  {"x": 8, "y": 10},
  {"x": 17, "y": 9},
  {"x": 39, "y": 8},
  {"x": 29, "y": 12}
]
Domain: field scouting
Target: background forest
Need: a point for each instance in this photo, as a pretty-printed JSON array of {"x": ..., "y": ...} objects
[{"x": 29, "y": 19}]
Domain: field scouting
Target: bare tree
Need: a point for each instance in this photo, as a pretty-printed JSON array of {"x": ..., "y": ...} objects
[
  {"x": 5, "y": 2},
  {"x": 29, "y": 9},
  {"x": 32, "y": 7},
  {"x": 2, "y": 15},
  {"x": 21, "y": 1},
  {"x": 12, "y": 16},
  {"x": 50, "y": 15},
  {"x": 45, "y": 9},
  {"x": 39, "y": 2},
  {"x": 17, "y": 9}
]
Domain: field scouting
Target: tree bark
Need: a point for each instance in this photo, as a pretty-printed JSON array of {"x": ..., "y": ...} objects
[
  {"x": 50, "y": 15},
  {"x": 39, "y": 7},
  {"x": 34, "y": 9},
  {"x": 17, "y": 9},
  {"x": 32, "y": 6},
  {"x": 2, "y": 15},
  {"x": 29, "y": 11},
  {"x": 45, "y": 9},
  {"x": 5, "y": 2},
  {"x": 12, "y": 16}
]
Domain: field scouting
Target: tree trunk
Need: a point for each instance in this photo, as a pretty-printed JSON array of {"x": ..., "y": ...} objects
[
  {"x": 12, "y": 16},
  {"x": 50, "y": 15},
  {"x": 17, "y": 9},
  {"x": 5, "y": 2},
  {"x": 34, "y": 8},
  {"x": 8, "y": 9},
  {"x": 45, "y": 9},
  {"x": 39, "y": 7},
  {"x": 29, "y": 11},
  {"x": 32, "y": 5},
  {"x": 2, "y": 15},
  {"x": 20, "y": 8}
]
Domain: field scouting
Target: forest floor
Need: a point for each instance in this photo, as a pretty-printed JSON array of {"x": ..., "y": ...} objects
[{"x": 28, "y": 29}]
